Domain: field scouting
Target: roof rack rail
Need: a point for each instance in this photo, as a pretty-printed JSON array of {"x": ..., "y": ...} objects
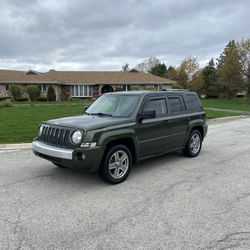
[{"x": 168, "y": 89}]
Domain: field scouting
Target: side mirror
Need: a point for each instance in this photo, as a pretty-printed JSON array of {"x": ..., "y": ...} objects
[{"x": 146, "y": 114}]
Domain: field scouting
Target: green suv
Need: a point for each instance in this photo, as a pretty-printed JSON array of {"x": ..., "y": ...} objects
[{"x": 122, "y": 128}]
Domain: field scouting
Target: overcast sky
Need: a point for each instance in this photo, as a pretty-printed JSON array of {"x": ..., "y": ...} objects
[{"x": 104, "y": 34}]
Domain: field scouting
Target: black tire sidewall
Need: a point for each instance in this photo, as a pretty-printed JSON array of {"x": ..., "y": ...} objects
[{"x": 104, "y": 169}]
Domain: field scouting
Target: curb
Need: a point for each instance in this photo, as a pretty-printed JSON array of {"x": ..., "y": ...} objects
[
  {"x": 227, "y": 119},
  {"x": 5, "y": 147}
]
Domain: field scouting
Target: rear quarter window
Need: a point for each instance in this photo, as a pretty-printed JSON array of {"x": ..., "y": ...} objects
[{"x": 192, "y": 103}]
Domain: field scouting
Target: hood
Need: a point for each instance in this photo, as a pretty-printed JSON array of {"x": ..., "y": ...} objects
[{"x": 88, "y": 122}]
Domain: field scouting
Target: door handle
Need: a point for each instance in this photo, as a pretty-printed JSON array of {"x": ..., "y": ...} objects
[{"x": 187, "y": 118}]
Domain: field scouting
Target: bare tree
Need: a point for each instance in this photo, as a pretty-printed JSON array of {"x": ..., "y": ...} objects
[
  {"x": 148, "y": 64},
  {"x": 125, "y": 67}
]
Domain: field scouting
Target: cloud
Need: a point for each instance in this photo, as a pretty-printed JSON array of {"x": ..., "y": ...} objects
[{"x": 104, "y": 34}]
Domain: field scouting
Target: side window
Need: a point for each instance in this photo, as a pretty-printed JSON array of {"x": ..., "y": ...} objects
[
  {"x": 175, "y": 104},
  {"x": 193, "y": 103},
  {"x": 159, "y": 105}
]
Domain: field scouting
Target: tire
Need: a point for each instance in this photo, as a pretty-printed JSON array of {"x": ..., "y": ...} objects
[
  {"x": 116, "y": 165},
  {"x": 193, "y": 145}
]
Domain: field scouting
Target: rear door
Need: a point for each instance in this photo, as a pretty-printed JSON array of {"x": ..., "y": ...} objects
[{"x": 178, "y": 119}]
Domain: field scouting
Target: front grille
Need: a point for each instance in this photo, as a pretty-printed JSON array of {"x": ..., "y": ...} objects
[{"x": 55, "y": 136}]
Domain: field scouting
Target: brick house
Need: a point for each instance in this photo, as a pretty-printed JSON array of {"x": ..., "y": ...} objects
[{"x": 80, "y": 84}]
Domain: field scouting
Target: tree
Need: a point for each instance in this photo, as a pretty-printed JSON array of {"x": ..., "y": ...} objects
[
  {"x": 51, "y": 95},
  {"x": 125, "y": 67},
  {"x": 172, "y": 73},
  {"x": 33, "y": 92},
  {"x": 148, "y": 64},
  {"x": 182, "y": 77},
  {"x": 196, "y": 83},
  {"x": 230, "y": 76},
  {"x": 186, "y": 70},
  {"x": 209, "y": 80},
  {"x": 15, "y": 91},
  {"x": 244, "y": 52},
  {"x": 189, "y": 65},
  {"x": 159, "y": 70}
]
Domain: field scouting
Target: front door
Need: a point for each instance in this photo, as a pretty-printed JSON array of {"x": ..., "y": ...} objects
[{"x": 152, "y": 133}]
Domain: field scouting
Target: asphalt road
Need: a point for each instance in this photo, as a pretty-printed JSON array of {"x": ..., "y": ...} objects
[{"x": 171, "y": 202}]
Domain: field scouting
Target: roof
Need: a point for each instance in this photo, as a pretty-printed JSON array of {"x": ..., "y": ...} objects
[
  {"x": 106, "y": 77},
  {"x": 15, "y": 76},
  {"x": 145, "y": 92},
  {"x": 81, "y": 77}
]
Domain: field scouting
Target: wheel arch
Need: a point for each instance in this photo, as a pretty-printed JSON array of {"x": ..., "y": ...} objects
[
  {"x": 196, "y": 125},
  {"x": 127, "y": 141}
]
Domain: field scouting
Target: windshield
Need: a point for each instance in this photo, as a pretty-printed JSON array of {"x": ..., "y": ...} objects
[{"x": 114, "y": 105}]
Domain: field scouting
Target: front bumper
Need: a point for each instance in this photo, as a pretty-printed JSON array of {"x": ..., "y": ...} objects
[
  {"x": 48, "y": 150},
  {"x": 80, "y": 158}
]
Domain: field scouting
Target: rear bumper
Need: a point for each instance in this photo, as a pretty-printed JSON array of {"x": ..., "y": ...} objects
[
  {"x": 88, "y": 159},
  {"x": 48, "y": 150}
]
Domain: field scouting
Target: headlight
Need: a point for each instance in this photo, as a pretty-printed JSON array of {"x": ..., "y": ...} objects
[
  {"x": 40, "y": 130},
  {"x": 77, "y": 137}
]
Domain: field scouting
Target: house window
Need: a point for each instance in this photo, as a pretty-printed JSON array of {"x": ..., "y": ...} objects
[
  {"x": 43, "y": 88},
  {"x": 7, "y": 87},
  {"x": 81, "y": 91}
]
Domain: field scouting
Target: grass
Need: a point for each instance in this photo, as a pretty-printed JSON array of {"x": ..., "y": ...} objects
[
  {"x": 19, "y": 124},
  {"x": 211, "y": 114},
  {"x": 234, "y": 104}
]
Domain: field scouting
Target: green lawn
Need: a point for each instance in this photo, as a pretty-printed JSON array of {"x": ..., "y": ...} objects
[
  {"x": 19, "y": 124},
  {"x": 211, "y": 114},
  {"x": 235, "y": 103}
]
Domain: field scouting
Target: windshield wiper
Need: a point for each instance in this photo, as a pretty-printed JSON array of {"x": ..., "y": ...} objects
[{"x": 101, "y": 114}]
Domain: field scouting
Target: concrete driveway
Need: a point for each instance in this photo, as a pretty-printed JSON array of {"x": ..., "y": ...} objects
[{"x": 170, "y": 202}]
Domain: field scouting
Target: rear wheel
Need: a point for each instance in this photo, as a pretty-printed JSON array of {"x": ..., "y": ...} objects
[
  {"x": 194, "y": 143},
  {"x": 116, "y": 165}
]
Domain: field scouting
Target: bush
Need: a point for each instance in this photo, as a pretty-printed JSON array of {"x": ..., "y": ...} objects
[
  {"x": 4, "y": 98},
  {"x": 51, "y": 95},
  {"x": 176, "y": 86},
  {"x": 15, "y": 91},
  {"x": 22, "y": 99},
  {"x": 41, "y": 99},
  {"x": 5, "y": 104},
  {"x": 33, "y": 92}
]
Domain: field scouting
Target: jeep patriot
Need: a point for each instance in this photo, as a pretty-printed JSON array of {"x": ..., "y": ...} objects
[{"x": 121, "y": 128}]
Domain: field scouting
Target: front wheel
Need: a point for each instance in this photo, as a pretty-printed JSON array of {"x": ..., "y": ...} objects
[
  {"x": 116, "y": 165},
  {"x": 193, "y": 145}
]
